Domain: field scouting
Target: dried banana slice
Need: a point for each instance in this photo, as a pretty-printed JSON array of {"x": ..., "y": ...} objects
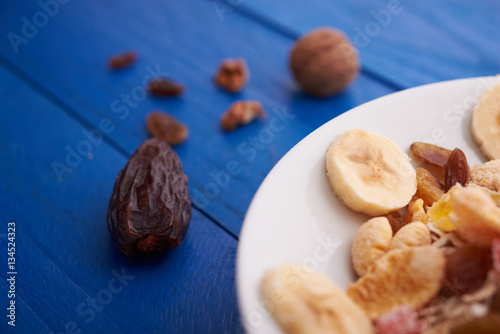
[
  {"x": 369, "y": 173},
  {"x": 475, "y": 215},
  {"x": 310, "y": 303},
  {"x": 485, "y": 123},
  {"x": 402, "y": 276},
  {"x": 370, "y": 242}
]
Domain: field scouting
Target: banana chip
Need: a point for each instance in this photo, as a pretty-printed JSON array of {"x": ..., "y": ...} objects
[
  {"x": 369, "y": 173},
  {"x": 302, "y": 301}
]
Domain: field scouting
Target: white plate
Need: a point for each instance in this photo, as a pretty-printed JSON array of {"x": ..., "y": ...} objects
[{"x": 294, "y": 215}]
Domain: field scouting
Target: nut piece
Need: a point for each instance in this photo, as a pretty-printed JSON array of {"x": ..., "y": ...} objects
[
  {"x": 487, "y": 175},
  {"x": 416, "y": 212},
  {"x": 303, "y": 302},
  {"x": 165, "y": 87},
  {"x": 241, "y": 112},
  {"x": 122, "y": 60},
  {"x": 232, "y": 75},
  {"x": 411, "y": 235},
  {"x": 166, "y": 127},
  {"x": 324, "y": 62},
  {"x": 370, "y": 242},
  {"x": 475, "y": 215},
  {"x": 402, "y": 276}
]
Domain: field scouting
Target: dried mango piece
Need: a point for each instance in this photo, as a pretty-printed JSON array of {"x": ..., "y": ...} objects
[
  {"x": 475, "y": 215},
  {"x": 302, "y": 301},
  {"x": 402, "y": 276},
  {"x": 439, "y": 212}
]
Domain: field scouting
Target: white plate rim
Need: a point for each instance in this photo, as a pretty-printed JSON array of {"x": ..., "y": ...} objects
[{"x": 475, "y": 86}]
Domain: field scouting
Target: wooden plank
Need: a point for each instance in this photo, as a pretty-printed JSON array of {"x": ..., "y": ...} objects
[
  {"x": 409, "y": 43},
  {"x": 66, "y": 60},
  {"x": 65, "y": 258}
]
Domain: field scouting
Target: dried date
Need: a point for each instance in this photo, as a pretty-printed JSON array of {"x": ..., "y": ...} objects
[
  {"x": 150, "y": 209},
  {"x": 456, "y": 169}
]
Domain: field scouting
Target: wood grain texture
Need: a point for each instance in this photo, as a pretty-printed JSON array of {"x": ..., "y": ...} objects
[
  {"x": 66, "y": 61},
  {"x": 64, "y": 255},
  {"x": 408, "y": 43}
]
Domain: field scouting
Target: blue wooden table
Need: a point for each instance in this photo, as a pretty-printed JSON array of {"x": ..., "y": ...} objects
[{"x": 57, "y": 97}]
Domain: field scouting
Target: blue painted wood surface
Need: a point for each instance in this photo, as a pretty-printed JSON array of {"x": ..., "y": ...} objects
[{"x": 55, "y": 84}]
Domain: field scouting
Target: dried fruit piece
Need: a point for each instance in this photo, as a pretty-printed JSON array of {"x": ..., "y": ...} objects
[
  {"x": 487, "y": 175},
  {"x": 122, "y": 60},
  {"x": 166, "y": 127},
  {"x": 430, "y": 153},
  {"x": 488, "y": 324},
  {"x": 402, "y": 276},
  {"x": 411, "y": 235},
  {"x": 456, "y": 169},
  {"x": 395, "y": 220},
  {"x": 475, "y": 216},
  {"x": 150, "y": 209},
  {"x": 416, "y": 212},
  {"x": 485, "y": 125},
  {"x": 165, "y": 87},
  {"x": 428, "y": 188},
  {"x": 302, "y": 301},
  {"x": 370, "y": 242},
  {"x": 369, "y": 173},
  {"x": 495, "y": 250},
  {"x": 466, "y": 269},
  {"x": 232, "y": 75},
  {"x": 401, "y": 320},
  {"x": 439, "y": 212},
  {"x": 241, "y": 112}
]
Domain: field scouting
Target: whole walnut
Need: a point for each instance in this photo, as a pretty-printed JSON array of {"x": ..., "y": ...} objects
[{"x": 324, "y": 62}]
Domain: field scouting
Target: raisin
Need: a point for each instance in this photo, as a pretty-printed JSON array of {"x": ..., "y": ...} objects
[
  {"x": 467, "y": 269},
  {"x": 165, "y": 87},
  {"x": 396, "y": 221},
  {"x": 150, "y": 209},
  {"x": 166, "y": 127},
  {"x": 122, "y": 60},
  {"x": 428, "y": 188},
  {"x": 456, "y": 169},
  {"x": 432, "y": 154}
]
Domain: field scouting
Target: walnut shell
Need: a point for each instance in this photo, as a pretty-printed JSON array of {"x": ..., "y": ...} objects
[{"x": 324, "y": 62}]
